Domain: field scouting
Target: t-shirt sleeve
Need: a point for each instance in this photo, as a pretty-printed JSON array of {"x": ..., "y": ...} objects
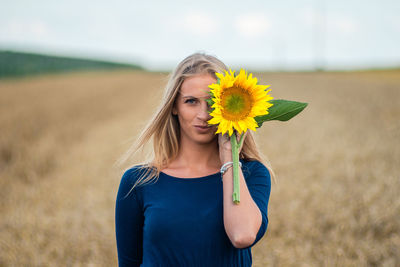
[
  {"x": 129, "y": 222},
  {"x": 259, "y": 184}
]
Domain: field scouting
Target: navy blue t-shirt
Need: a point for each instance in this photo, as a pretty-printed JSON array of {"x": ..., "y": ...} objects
[{"x": 179, "y": 221}]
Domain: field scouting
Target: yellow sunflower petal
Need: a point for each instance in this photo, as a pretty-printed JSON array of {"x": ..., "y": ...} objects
[
  {"x": 251, "y": 123},
  {"x": 243, "y": 125},
  {"x": 230, "y": 131},
  {"x": 214, "y": 121},
  {"x": 222, "y": 128},
  {"x": 219, "y": 75},
  {"x": 214, "y": 86},
  {"x": 237, "y": 127}
]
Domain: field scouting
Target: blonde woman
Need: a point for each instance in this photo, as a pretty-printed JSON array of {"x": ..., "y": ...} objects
[{"x": 176, "y": 209}]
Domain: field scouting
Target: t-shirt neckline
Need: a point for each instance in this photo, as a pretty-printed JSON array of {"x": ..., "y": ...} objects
[{"x": 193, "y": 179}]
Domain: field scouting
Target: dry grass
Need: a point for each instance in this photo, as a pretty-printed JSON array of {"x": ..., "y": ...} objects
[{"x": 336, "y": 202}]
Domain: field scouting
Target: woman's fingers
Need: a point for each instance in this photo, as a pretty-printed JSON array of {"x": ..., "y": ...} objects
[
  {"x": 225, "y": 143},
  {"x": 224, "y": 140}
]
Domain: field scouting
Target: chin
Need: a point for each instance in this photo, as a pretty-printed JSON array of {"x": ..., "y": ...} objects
[
  {"x": 201, "y": 138},
  {"x": 207, "y": 139}
]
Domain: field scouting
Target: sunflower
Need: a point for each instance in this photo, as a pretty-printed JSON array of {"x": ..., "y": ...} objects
[{"x": 236, "y": 100}]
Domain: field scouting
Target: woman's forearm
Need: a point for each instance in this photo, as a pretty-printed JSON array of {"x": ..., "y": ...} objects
[{"x": 241, "y": 221}]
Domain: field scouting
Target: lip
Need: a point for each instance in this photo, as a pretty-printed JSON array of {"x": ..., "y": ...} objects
[{"x": 202, "y": 129}]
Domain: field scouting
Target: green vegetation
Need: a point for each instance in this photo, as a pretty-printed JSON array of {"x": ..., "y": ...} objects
[{"x": 13, "y": 64}]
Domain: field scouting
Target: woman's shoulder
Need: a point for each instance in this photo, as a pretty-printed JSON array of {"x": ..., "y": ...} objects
[
  {"x": 135, "y": 169},
  {"x": 252, "y": 162},
  {"x": 132, "y": 174},
  {"x": 253, "y": 166},
  {"x": 131, "y": 180}
]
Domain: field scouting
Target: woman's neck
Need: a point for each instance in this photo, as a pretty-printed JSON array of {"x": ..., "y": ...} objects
[{"x": 197, "y": 156}]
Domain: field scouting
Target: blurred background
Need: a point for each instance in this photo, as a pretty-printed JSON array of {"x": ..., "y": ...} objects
[{"x": 79, "y": 80}]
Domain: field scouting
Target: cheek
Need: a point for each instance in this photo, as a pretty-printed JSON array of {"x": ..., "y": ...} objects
[{"x": 186, "y": 115}]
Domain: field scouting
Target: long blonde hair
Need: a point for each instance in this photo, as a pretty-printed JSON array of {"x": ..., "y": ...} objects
[{"x": 164, "y": 130}]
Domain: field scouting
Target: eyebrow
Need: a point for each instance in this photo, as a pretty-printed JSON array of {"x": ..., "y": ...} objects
[{"x": 189, "y": 96}]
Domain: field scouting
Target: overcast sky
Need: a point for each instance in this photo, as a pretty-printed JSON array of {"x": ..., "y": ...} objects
[{"x": 287, "y": 34}]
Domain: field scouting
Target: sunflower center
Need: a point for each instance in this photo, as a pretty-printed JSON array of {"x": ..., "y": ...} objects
[{"x": 236, "y": 102}]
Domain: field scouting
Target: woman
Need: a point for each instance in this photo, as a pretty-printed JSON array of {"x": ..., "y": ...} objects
[{"x": 186, "y": 216}]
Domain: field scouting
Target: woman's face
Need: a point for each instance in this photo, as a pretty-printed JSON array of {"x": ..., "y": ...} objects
[{"x": 192, "y": 110}]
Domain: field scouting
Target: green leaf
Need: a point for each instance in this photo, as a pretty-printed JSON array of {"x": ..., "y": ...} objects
[{"x": 282, "y": 110}]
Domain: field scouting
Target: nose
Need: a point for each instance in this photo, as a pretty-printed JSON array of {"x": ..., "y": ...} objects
[{"x": 203, "y": 112}]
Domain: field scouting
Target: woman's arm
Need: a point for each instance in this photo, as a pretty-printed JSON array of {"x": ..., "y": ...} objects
[
  {"x": 128, "y": 223},
  {"x": 247, "y": 222}
]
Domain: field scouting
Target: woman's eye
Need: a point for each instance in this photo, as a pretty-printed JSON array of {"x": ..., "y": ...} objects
[{"x": 190, "y": 101}]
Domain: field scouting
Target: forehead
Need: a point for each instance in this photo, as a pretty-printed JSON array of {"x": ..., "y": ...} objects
[{"x": 197, "y": 86}]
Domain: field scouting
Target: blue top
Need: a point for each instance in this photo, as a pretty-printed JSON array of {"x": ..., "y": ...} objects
[{"x": 179, "y": 221}]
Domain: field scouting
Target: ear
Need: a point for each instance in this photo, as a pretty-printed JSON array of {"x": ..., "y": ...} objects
[{"x": 174, "y": 110}]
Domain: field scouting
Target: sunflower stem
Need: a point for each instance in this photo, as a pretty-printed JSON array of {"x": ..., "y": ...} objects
[
  {"x": 235, "y": 158},
  {"x": 241, "y": 140}
]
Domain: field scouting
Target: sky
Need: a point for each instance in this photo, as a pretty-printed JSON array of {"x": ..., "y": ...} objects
[{"x": 257, "y": 35}]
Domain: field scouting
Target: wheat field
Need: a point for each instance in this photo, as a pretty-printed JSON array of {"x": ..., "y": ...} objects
[{"x": 336, "y": 201}]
